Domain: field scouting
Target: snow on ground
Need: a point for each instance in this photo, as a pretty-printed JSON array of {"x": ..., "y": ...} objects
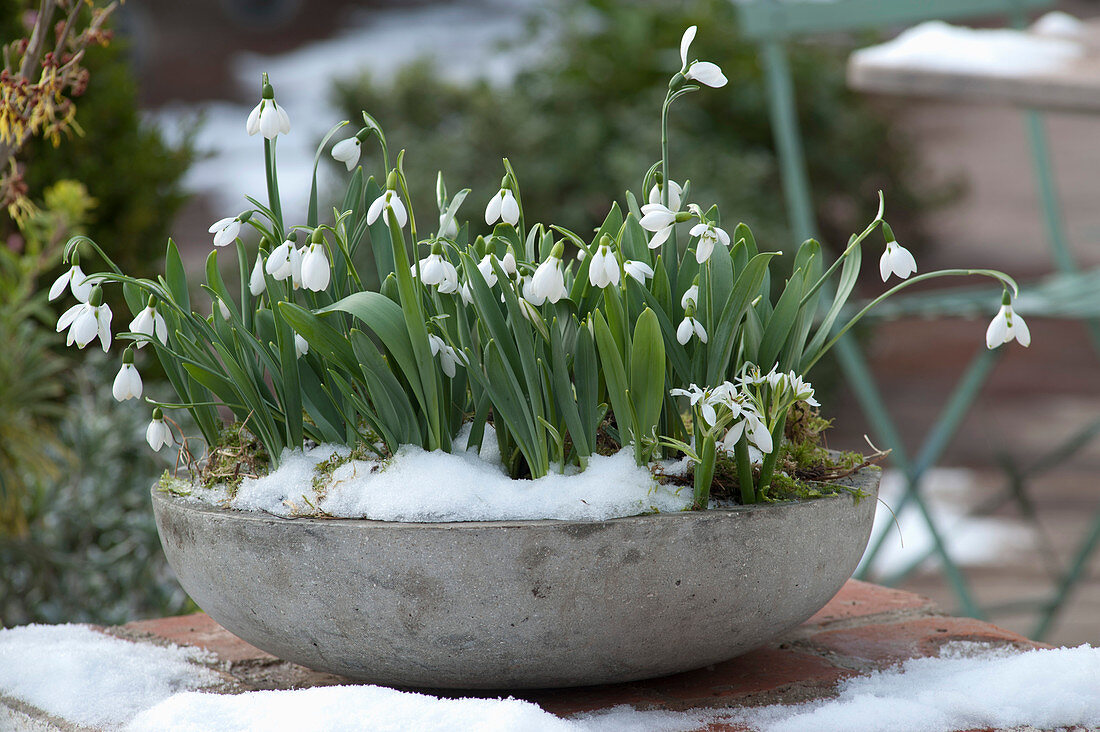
[
  {"x": 938, "y": 46},
  {"x": 948, "y": 492},
  {"x": 77, "y": 674},
  {"x": 464, "y": 39},
  {"x": 84, "y": 677},
  {"x": 410, "y": 487}
]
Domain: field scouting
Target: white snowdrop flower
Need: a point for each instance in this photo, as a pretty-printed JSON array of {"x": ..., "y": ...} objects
[
  {"x": 448, "y": 229},
  {"x": 709, "y": 235},
  {"x": 128, "y": 381},
  {"x": 391, "y": 202},
  {"x": 279, "y": 264},
  {"x": 690, "y": 297},
  {"x": 502, "y": 207},
  {"x": 465, "y": 294},
  {"x": 301, "y": 346},
  {"x": 257, "y": 283},
  {"x": 658, "y": 219},
  {"x": 603, "y": 270},
  {"x": 485, "y": 266},
  {"x": 529, "y": 294},
  {"x": 149, "y": 323},
  {"x": 347, "y": 152},
  {"x": 689, "y": 326},
  {"x": 316, "y": 273},
  {"x": 699, "y": 396},
  {"x": 732, "y": 436},
  {"x": 267, "y": 117},
  {"x": 448, "y": 357},
  {"x": 898, "y": 260},
  {"x": 437, "y": 271},
  {"x": 224, "y": 309},
  {"x": 803, "y": 391},
  {"x": 758, "y": 431},
  {"x": 225, "y": 230},
  {"x": 508, "y": 263},
  {"x": 158, "y": 434},
  {"x": 548, "y": 282},
  {"x": 87, "y": 320},
  {"x": 78, "y": 283},
  {"x": 675, "y": 192},
  {"x": 704, "y": 72},
  {"x": 294, "y": 264},
  {"x": 776, "y": 379},
  {"x": 638, "y": 270},
  {"x": 1007, "y": 325}
]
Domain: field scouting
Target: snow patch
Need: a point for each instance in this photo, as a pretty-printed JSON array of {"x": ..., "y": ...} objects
[
  {"x": 938, "y": 46},
  {"x": 92, "y": 679},
  {"x": 1058, "y": 23},
  {"x": 420, "y": 486}
]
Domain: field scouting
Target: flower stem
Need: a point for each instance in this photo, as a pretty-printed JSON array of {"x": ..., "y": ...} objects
[
  {"x": 767, "y": 467},
  {"x": 273, "y": 201}
]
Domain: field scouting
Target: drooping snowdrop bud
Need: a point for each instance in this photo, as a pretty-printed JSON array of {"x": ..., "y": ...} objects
[
  {"x": 316, "y": 273},
  {"x": 257, "y": 283},
  {"x": 548, "y": 282},
  {"x": 74, "y": 278},
  {"x": 436, "y": 270},
  {"x": 703, "y": 72},
  {"x": 158, "y": 434},
  {"x": 690, "y": 326},
  {"x": 267, "y": 117},
  {"x": 508, "y": 262},
  {"x": 390, "y": 202},
  {"x": 86, "y": 320},
  {"x": 674, "y": 194},
  {"x": 128, "y": 381},
  {"x": 225, "y": 230},
  {"x": 529, "y": 294},
  {"x": 301, "y": 346},
  {"x": 448, "y": 357},
  {"x": 485, "y": 266},
  {"x": 465, "y": 293},
  {"x": 150, "y": 323},
  {"x": 896, "y": 259},
  {"x": 1007, "y": 325},
  {"x": 709, "y": 235},
  {"x": 603, "y": 270},
  {"x": 638, "y": 270},
  {"x": 223, "y": 309},
  {"x": 502, "y": 207},
  {"x": 691, "y": 296},
  {"x": 660, "y": 220}
]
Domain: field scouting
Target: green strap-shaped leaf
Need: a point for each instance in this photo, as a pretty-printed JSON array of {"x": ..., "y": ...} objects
[
  {"x": 567, "y": 403},
  {"x": 614, "y": 373},
  {"x": 721, "y": 342},
  {"x": 176, "y": 277},
  {"x": 647, "y": 373}
]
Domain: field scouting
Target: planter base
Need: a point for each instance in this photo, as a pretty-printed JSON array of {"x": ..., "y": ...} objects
[{"x": 516, "y": 604}]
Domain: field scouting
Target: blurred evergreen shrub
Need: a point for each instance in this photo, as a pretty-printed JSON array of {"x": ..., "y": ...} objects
[{"x": 579, "y": 127}]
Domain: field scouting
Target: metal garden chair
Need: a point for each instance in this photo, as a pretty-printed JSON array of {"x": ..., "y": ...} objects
[{"x": 1070, "y": 293}]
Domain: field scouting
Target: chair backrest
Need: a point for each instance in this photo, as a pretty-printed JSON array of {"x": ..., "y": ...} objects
[{"x": 771, "y": 23}]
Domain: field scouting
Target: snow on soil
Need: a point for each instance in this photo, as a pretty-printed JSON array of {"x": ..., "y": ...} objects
[
  {"x": 419, "y": 486},
  {"x": 938, "y": 46},
  {"x": 948, "y": 493},
  {"x": 88, "y": 678}
]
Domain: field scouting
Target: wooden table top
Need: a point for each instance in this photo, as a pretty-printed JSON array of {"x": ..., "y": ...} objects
[{"x": 1074, "y": 87}]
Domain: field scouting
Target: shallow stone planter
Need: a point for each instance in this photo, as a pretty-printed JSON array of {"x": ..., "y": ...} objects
[{"x": 516, "y": 604}]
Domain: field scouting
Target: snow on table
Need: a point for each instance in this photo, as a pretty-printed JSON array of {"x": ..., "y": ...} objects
[
  {"x": 938, "y": 46},
  {"x": 88, "y": 678}
]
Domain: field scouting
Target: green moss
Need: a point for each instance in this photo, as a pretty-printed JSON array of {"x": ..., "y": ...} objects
[
  {"x": 322, "y": 474},
  {"x": 239, "y": 454},
  {"x": 172, "y": 485}
]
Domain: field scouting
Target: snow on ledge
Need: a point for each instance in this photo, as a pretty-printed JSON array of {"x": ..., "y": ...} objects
[{"x": 938, "y": 46}]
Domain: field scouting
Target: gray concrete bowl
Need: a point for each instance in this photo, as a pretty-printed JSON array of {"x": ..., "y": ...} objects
[{"x": 516, "y": 604}]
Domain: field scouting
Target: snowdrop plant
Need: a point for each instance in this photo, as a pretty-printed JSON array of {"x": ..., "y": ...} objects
[{"x": 665, "y": 333}]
